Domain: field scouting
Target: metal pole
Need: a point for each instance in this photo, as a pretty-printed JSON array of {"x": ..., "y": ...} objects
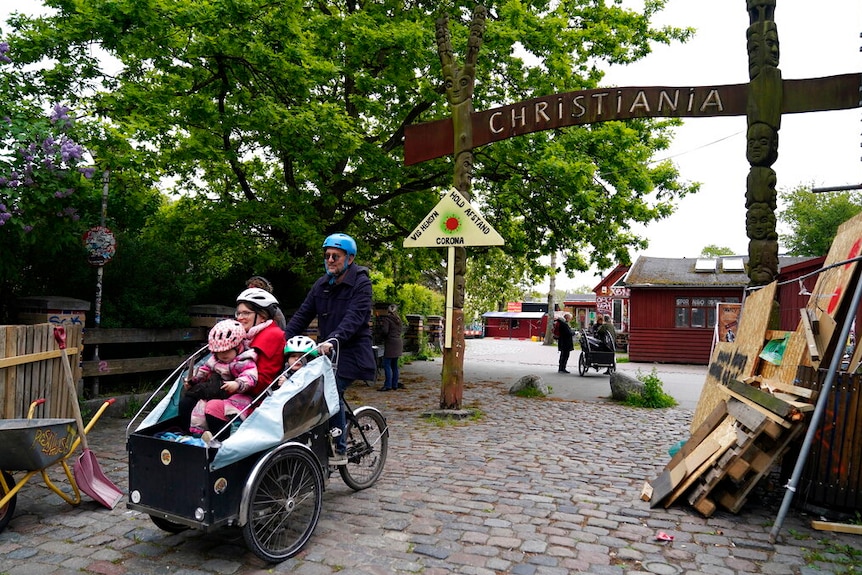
[
  {"x": 450, "y": 297},
  {"x": 106, "y": 178},
  {"x": 848, "y": 188},
  {"x": 816, "y": 416}
]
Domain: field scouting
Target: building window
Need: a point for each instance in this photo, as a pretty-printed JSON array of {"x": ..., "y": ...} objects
[{"x": 698, "y": 312}]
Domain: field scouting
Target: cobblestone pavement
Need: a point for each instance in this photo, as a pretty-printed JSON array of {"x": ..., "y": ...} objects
[{"x": 531, "y": 486}]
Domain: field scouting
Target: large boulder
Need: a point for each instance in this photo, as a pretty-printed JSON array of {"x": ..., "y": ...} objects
[
  {"x": 622, "y": 386},
  {"x": 533, "y": 381}
]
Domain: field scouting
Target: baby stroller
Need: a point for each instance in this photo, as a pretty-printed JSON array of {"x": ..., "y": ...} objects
[
  {"x": 267, "y": 477},
  {"x": 597, "y": 353}
]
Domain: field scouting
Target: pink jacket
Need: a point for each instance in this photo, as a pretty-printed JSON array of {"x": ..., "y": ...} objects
[{"x": 242, "y": 369}]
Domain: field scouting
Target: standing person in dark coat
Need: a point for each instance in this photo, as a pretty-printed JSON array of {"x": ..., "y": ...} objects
[
  {"x": 393, "y": 346},
  {"x": 565, "y": 343},
  {"x": 607, "y": 333},
  {"x": 341, "y": 301}
]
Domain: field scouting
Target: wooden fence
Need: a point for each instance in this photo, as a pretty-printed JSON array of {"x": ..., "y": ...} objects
[
  {"x": 30, "y": 365},
  {"x": 832, "y": 477},
  {"x": 31, "y": 368}
]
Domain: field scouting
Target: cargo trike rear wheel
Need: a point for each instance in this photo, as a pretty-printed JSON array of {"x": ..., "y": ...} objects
[
  {"x": 168, "y": 525},
  {"x": 285, "y": 500}
]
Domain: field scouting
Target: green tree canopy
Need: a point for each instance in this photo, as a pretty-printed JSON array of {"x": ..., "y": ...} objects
[
  {"x": 714, "y": 251},
  {"x": 813, "y": 218},
  {"x": 495, "y": 279},
  {"x": 273, "y": 124}
]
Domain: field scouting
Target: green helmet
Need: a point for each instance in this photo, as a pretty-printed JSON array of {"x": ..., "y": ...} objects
[{"x": 301, "y": 344}]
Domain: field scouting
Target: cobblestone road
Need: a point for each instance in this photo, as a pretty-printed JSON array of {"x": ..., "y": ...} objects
[{"x": 540, "y": 487}]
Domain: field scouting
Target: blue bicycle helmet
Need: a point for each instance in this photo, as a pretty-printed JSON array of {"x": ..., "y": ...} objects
[{"x": 342, "y": 242}]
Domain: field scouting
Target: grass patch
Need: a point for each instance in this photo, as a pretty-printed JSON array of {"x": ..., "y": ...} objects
[
  {"x": 441, "y": 419},
  {"x": 133, "y": 405},
  {"x": 532, "y": 392},
  {"x": 846, "y": 558},
  {"x": 653, "y": 395}
]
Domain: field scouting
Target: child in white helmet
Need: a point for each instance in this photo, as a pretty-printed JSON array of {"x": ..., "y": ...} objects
[{"x": 229, "y": 373}]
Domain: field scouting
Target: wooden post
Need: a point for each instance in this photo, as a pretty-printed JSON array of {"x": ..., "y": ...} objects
[
  {"x": 763, "y": 110},
  {"x": 459, "y": 82}
]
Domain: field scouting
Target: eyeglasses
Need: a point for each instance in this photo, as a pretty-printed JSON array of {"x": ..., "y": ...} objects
[
  {"x": 333, "y": 256},
  {"x": 240, "y": 314}
]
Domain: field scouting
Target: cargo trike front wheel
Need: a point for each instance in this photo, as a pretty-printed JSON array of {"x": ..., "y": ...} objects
[{"x": 282, "y": 503}]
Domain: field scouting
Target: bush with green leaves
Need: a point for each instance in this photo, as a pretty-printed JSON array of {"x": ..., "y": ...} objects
[{"x": 653, "y": 394}]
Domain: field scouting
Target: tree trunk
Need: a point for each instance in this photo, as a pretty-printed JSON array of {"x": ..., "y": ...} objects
[
  {"x": 452, "y": 390},
  {"x": 552, "y": 286}
]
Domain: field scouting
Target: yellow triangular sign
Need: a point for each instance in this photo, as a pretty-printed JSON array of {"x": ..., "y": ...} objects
[{"x": 453, "y": 222}]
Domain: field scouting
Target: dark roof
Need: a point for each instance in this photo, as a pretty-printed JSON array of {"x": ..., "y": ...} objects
[
  {"x": 580, "y": 298},
  {"x": 676, "y": 272}
]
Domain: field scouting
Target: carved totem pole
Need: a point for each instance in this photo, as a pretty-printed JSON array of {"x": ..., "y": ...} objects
[
  {"x": 763, "y": 110},
  {"x": 459, "y": 82}
]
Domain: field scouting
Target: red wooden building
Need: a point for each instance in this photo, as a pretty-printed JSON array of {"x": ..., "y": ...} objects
[
  {"x": 673, "y": 303},
  {"x": 526, "y": 320},
  {"x": 582, "y": 306},
  {"x": 612, "y": 298},
  {"x": 794, "y": 295}
]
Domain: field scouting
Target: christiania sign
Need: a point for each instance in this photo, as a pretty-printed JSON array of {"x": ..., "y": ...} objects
[{"x": 435, "y": 139}]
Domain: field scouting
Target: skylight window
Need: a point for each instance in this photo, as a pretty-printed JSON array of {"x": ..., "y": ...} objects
[
  {"x": 705, "y": 265},
  {"x": 732, "y": 265}
]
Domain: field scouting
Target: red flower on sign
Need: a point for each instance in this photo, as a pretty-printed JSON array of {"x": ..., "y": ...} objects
[{"x": 451, "y": 223}]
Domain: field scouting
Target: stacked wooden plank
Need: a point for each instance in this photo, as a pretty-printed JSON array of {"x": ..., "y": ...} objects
[
  {"x": 751, "y": 410},
  {"x": 735, "y": 447}
]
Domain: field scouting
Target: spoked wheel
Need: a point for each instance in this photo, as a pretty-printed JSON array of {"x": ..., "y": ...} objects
[
  {"x": 582, "y": 364},
  {"x": 8, "y": 510},
  {"x": 168, "y": 525},
  {"x": 367, "y": 446},
  {"x": 284, "y": 504}
]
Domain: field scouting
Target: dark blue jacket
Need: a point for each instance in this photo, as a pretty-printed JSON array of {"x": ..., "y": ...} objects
[
  {"x": 566, "y": 340},
  {"x": 343, "y": 312}
]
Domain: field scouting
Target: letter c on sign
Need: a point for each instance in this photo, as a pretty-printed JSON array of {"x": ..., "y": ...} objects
[{"x": 491, "y": 127}]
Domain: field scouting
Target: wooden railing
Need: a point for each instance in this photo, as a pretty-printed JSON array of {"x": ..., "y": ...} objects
[{"x": 108, "y": 337}]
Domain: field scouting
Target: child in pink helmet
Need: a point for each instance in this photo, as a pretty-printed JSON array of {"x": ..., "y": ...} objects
[{"x": 222, "y": 385}]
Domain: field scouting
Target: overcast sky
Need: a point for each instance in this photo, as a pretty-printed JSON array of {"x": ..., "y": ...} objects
[{"x": 821, "y": 148}]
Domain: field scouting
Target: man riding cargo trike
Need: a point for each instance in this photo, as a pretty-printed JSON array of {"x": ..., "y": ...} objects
[{"x": 266, "y": 474}]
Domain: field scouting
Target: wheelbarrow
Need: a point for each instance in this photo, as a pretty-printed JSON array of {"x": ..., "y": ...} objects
[{"x": 33, "y": 446}]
